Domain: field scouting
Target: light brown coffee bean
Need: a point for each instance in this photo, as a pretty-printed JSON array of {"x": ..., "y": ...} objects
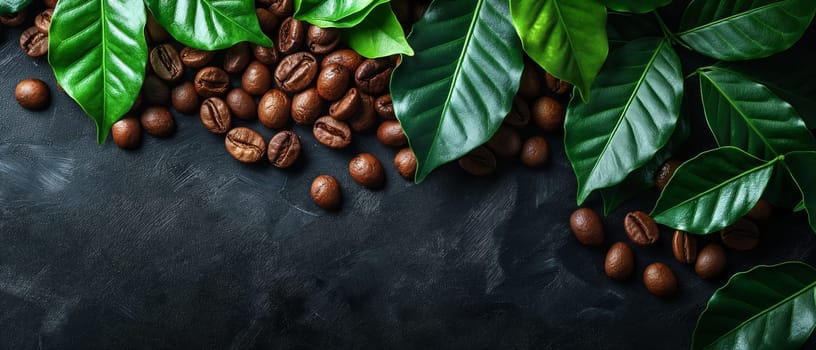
[
  {"x": 660, "y": 280},
  {"x": 406, "y": 163},
  {"x": 306, "y": 107},
  {"x": 326, "y": 192},
  {"x": 367, "y": 171},
  {"x": 587, "y": 227},
  {"x": 347, "y": 106},
  {"x": 274, "y": 109},
  {"x": 390, "y": 133},
  {"x": 215, "y": 115},
  {"x": 331, "y": 132},
  {"x": 640, "y": 228},
  {"x": 620, "y": 262},
  {"x": 241, "y": 104},
  {"x": 257, "y": 79},
  {"x": 245, "y": 145},
  {"x": 284, "y": 149}
]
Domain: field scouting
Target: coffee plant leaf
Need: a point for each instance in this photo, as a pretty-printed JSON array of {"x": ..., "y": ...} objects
[
  {"x": 565, "y": 37},
  {"x": 379, "y": 35},
  {"x": 733, "y": 30},
  {"x": 622, "y": 28},
  {"x": 336, "y": 13},
  {"x": 713, "y": 190},
  {"x": 454, "y": 93},
  {"x": 637, "y": 6},
  {"x": 12, "y": 6},
  {"x": 209, "y": 24},
  {"x": 802, "y": 167},
  {"x": 633, "y": 109},
  {"x": 765, "y": 308},
  {"x": 98, "y": 56}
]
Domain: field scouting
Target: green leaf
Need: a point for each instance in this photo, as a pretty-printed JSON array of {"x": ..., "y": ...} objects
[
  {"x": 621, "y": 28},
  {"x": 635, "y": 103},
  {"x": 801, "y": 166},
  {"x": 98, "y": 56},
  {"x": 12, "y": 6},
  {"x": 712, "y": 190},
  {"x": 454, "y": 93},
  {"x": 799, "y": 207},
  {"x": 565, "y": 37},
  {"x": 379, "y": 35},
  {"x": 732, "y": 30},
  {"x": 767, "y": 307},
  {"x": 636, "y": 6},
  {"x": 209, "y": 24},
  {"x": 337, "y": 13}
]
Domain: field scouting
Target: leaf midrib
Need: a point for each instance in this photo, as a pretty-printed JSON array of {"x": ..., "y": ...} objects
[
  {"x": 557, "y": 5},
  {"x": 732, "y": 17},
  {"x": 104, "y": 23}
]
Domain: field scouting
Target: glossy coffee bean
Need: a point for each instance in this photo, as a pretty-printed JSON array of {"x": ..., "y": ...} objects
[
  {"x": 166, "y": 63},
  {"x": 332, "y": 82},
  {"x": 215, "y": 115},
  {"x": 155, "y": 31},
  {"x": 267, "y": 20},
  {"x": 535, "y": 152},
  {"x": 373, "y": 75},
  {"x": 385, "y": 107},
  {"x": 620, "y": 261},
  {"x": 291, "y": 36},
  {"x": 284, "y": 149},
  {"x": 306, "y": 107},
  {"x": 548, "y": 114},
  {"x": 665, "y": 173},
  {"x": 346, "y": 106},
  {"x": 742, "y": 235},
  {"x": 347, "y": 58},
  {"x": 266, "y": 55},
  {"x": 296, "y": 72},
  {"x": 32, "y": 94},
  {"x": 711, "y": 261},
  {"x": 366, "y": 116},
  {"x": 519, "y": 114},
  {"x": 257, "y": 79},
  {"x": 50, "y": 3},
  {"x": 367, "y": 171},
  {"x": 184, "y": 98},
  {"x": 322, "y": 40},
  {"x": 14, "y": 19},
  {"x": 245, "y": 145},
  {"x": 281, "y": 8},
  {"x": 326, "y": 192},
  {"x": 127, "y": 133},
  {"x": 331, "y": 132},
  {"x": 530, "y": 86},
  {"x": 237, "y": 58},
  {"x": 640, "y": 228},
  {"x": 659, "y": 279},
  {"x": 241, "y": 104},
  {"x": 33, "y": 42},
  {"x": 506, "y": 142},
  {"x": 587, "y": 227},
  {"x": 212, "y": 81},
  {"x": 406, "y": 163},
  {"x": 556, "y": 85},
  {"x": 274, "y": 109},
  {"x": 480, "y": 162},
  {"x": 158, "y": 121},
  {"x": 390, "y": 134},
  {"x": 43, "y": 20},
  {"x": 684, "y": 247},
  {"x": 761, "y": 211},
  {"x": 155, "y": 91},
  {"x": 195, "y": 58}
]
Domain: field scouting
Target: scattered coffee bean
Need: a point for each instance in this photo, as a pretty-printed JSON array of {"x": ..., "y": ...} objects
[
  {"x": 406, "y": 163},
  {"x": 373, "y": 75},
  {"x": 211, "y": 81},
  {"x": 306, "y": 107},
  {"x": 761, "y": 211},
  {"x": 347, "y": 58},
  {"x": 587, "y": 227},
  {"x": 155, "y": 32},
  {"x": 166, "y": 63},
  {"x": 331, "y": 132},
  {"x": 281, "y": 8},
  {"x": 257, "y": 79},
  {"x": 366, "y": 116},
  {"x": 245, "y": 145},
  {"x": 535, "y": 152},
  {"x": 385, "y": 107},
  {"x": 296, "y": 72},
  {"x": 291, "y": 36},
  {"x": 284, "y": 149},
  {"x": 556, "y": 85},
  {"x": 43, "y": 20},
  {"x": 480, "y": 162},
  {"x": 266, "y": 55},
  {"x": 347, "y": 106},
  {"x": 742, "y": 235},
  {"x": 155, "y": 90},
  {"x": 237, "y": 58},
  {"x": 640, "y": 228},
  {"x": 506, "y": 142},
  {"x": 184, "y": 98},
  {"x": 32, "y": 94},
  {"x": 548, "y": 114},
  {"x": 390, "y": 134},
  {"x": 158, "y": 121},
  {"x": 50, "y": 3},
  {"x": 332, "y": 82},
  {"x": 519, "y": 114},
  {"x": 530, "y": 86},
  {"x": 241, "y": 104},
  {"x": 684, "y": 247},
  {"x": 215, "y": 115},
  {"x": 267, "y": 20},
  {"x": 323, "y": 40},
  {"x": 620, "y": 261},
  {"x": 195, "y": 58},
  {"x": 367, "y": 171},
  {"x": 326, "y": 192},
  {"x": 659, "y": 279},
  {"x": 33, "y": 42},
  {"x": 14, "y": 19},
  {"x": 274, "y": 109},
  {"x": 710, "y": 261},
  {"x": 127, "y": 133},
  {"x": 665, "y": 173}
]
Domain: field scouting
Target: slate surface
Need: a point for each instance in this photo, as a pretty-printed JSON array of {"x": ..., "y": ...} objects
[{"x": 178, "y": 246}]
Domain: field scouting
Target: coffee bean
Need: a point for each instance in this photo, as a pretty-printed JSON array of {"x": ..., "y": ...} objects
[
  {"x": 184, "y": 98},
  {"x": 323, "y": 40},
  {"x": 136, "y": 103},
  {"x": 274, "y": 109},
  {"x": 406, "y": 163},
  {"x": 556, "y": 85},
  {"x": 306, "y": 107},
  {"x": 32, "y": 94},
  {"x": 366, "y": 116},
  {"x": 640, "y": 228},
  {"x": 241, "y": 104},
  {"x": 479, "y": 162},
  {"x": 530, "y": 86},
  {"x": 587, "y": 227},
  {"x": 284, "y": 149},
  {"x": 367, "y": 171},
  {"x": 166, "y": 62},
  {"x": 237, "y": 58},
  {"x": 684, "y": 247},
  {"x": 245, "y": 145},
  {"x": 710, "y": 261},
  {"x": 266, "y": 55},
  {"x": 761, "y": 211},
  {"x": 296, "y": 72},
  {"x": 659, "y": 279},
  {"x": 281, "y": 8},
  {"x": 535, "y": 152},
  {"x": 257, "y": 78},
  {"x": 741, "y": 235},
  {"x": 620, "y": 261},
  {"x": 267, "y": 20},
  {"x": 665, "y": 173},
  {"x": 212, "y": 81},
  {"x": 127, "y": 133},
  {"x": 33, "y": 42},
  {"x": 215, "y": 115},
  {"x": 519, "y": 114},
  {"x": 347, "y": 106},
  {"x": 390, "y": 134},
  {"x": 155, "y": 90},
  {"x": 14, "y": 19},
  {"x": 331, "y": 132},
  {"x": 373, "y": 75},
  {"x": 291, "y": 36},
  {"x": 548, "y": 114},
  {"x": 332, "y": 82},
  {"x": 158, "y": 121},
  {"x": 50, "y": 3},
  {"x": 195, "y": 58},
  {"x": 347, "y": 58},
  {"x": 506, "y": 142},
  {"x": 155, "y": 32},
  {"x": 326, "y": 192},
  {"x": 385, "y": 107},
  {"x": 43, "y": 20}
]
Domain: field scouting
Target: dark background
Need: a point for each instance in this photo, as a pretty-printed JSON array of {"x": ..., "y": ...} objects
[{"x": 178, "y": 246}]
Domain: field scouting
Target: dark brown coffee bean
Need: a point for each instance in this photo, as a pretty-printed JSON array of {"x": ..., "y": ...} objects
[
  {"x": 296, "y": 72},
  {"x": 257, "y": 79},
  {"x": 241, "y": 104},
  {"x": 212, "y": 81},
  {"x": 274, "y": 109},
  {"x": 237, "y": 58},
  {"x": 556, "y": 85},
  {"x": 548, "y": 114},
  {"x": 506, "y": 142},
  {"x": 710, "y": 261},
  {"x": 374, "y": 75},
  {"x": 333, "y": 81},
  {"x": 620, "y": 261},
  {"x": 587, "y": 227},
  {"x": 331, "y": 132},
  {"x": 43, "y": 20},
  {"x": 535, "y": 152},
  {"x": 50, "y": 3},
  {"x": 684, "y": 247},
  {"x": 245, "y": 145},
  {"x": 215, "y": 115},
  {"x": 659, "y": 279},
  {"x": 166, "y": 62},
  {"x": 347, "y": 106},
  {"x": 291, "y": 36},
  {"x": 281, "y": 8},
  {"x": 14, "y": 19},
  {"x": 306, "y": 107},
  {"x": 284, "y": 149},
  {"x": 519, "y": 114},
  {"x": 155, "y": 91},
  {"x": 32, "y": 94},
  {"x": 665, "y": 173},
  {"x": 323, "y": 40},
  {"x": 155, "y": 32},
  {"x": 761, "y": 211},
  {"x": 33, "y": 42},
  {"x": 406, "y": 163},
  {"x": 366, "y": 116},
  {"x": 158, "y": 121},
  {"x": 326, "y": 192},
  {"x": 385, "y": 107},
  {"x": 367, "y": 171},
  {"x": 347, "y": 58},
  {"x": 195, "y": 58},
  {"x": 127, "y": 133},
  {"x": 266, "y": 55},
  {"x": 390, "y": 134},
  {"x": 640, "y": 228},
  {"x": 184, "y": 98},
  {"x": 267, "y": 20},
  {"x": 741, "y": 235},
  {"x": 479, "y": 162},
  {"x": 530, "y": 86}
]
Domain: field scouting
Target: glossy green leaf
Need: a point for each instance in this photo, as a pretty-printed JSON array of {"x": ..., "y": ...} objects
[
  {"x": 802, "y": 166},
  {"x": 799, "y": 207},
  {"x": 336, "y": 13},
  {"x": 209, "y": 24},
  {"x": 379, "y": 35},
  {"x": 765, "y": 308},
  {"x": 565, "y": 37},
  {"x": 98, "y": 56},
  {"x": 622, "y": 28},
  {"x": 454, "y": 93},
  {"x": 12, "y": 6},
  {"x": 635, "y": 103},
  {"x": 733, "y": 30},
  {"x": 636, "y": 6},
  {"x": 712, "y": 190}
]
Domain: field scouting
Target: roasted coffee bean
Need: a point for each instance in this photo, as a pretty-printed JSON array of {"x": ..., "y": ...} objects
[
  {"x": 366, "y": 116},
  {"x": 241, "y": 104},
  {"x": 373, "y": 75},
  {"x": 284, "y": 149},
  {"x": 184, "y": 98},
  {"x": 155, "y": 31},
  {"x": 281, "y": 8},
  {"x": 761, "y": 211},
  {"x": 587, "y": 227},
  {"x": 506, "y": 142},
  {"x": 195, "y": 58},
  {"x": 665, "y": 173},
  {"x": 43, "y": 20},
  {"x": 684, "y": 247},
  {"x": 136, "y": 103},
  {"x": 659, "y": 279},
  {"x": 274, "y": 109},
  {"x": 257, "y": 79},
  {"x": 266, "y": 55},
  {"x": 237, "y": 58},
  {"x": 710, "y": 261},
  {"x": 158, "y": 121},
  {"x": 245, "y": 145},
  {"x": 291, "y": 36},
  {"x": 332, "y": 82},
  {"x": 640, "y": 228},
  {"x": 367, "y": 171},
  {"x": 331, "y": 132},
  {"x": 741, "y": 235},
  {"x": 296, "y": 72},
  {"x": 50, "y": 3},
  {"x": 127, "y": 133},
  {"x": 390, "y": 134},
  {"x": 267, "y": 20},
  {"x": 306, "y": 107},
  {"x": 535, "y": 152},
  {"x": 548, "y": 114},
  {"x": 347, "y": 106},
  {"x": 620, "y": 261},
  {"x": 155, "y": 91},
  {"x": 530, "y": 86},
  {"x": 385, "y": 107},
  {"x": 556, "y": 85},
  {"x": 326, "y": 192},
  {"x": 519, "y": 114},
  {"x": 33, "y": 42},
  {"x": 406, "y": 163},
  {"x": 166, "y": 62},
  {"x": 347, "y": 58},
  {"x": 215, "y": 115},
  {"x": 323, "y": 40},
  {"x": 32, "y": 94},
  {"x": 479, "y": 162},
  {"x": 14, "y": 19},
  {"x": 212, "y": 81}
]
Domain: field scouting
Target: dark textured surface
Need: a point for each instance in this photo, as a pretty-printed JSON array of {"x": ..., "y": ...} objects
[{"x": 179, "y": 246}]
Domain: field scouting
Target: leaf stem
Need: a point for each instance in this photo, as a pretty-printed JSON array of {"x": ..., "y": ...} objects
[{"x": 668, "y": 33}]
